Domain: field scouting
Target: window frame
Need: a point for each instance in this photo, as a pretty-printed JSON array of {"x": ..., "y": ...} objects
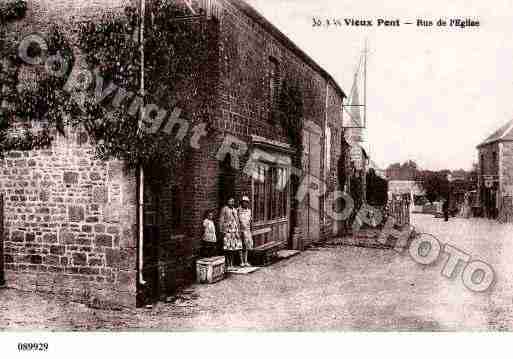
[{"x": 280, "y": 200}]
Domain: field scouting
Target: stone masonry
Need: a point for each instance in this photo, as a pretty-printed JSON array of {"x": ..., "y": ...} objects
[{"x": 69, "y": 224}]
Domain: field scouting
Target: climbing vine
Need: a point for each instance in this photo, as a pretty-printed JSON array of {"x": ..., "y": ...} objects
[
  {"x": 290, "y": 113},
  {"x": 12, "y": 9},
  {"x": 33, "y": 108},
  {"x": 111, "y": 48},
  {"x": 174, "y": 52}
]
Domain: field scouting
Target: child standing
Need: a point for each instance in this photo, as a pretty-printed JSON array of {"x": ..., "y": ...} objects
[
  {"x": 209, "y": 240},
  {"x": 229, "y": 226}
]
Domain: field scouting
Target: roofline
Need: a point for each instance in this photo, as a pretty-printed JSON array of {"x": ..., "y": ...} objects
[
  {"x": 492, "y": 142},
  {"x": 507, "y": 131},
  {"x": 499, "y": 139},
  {"x": 274, "y": 31}
]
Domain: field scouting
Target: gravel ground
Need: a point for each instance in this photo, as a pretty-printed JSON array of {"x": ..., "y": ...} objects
[{"x": 328, "y": 288}]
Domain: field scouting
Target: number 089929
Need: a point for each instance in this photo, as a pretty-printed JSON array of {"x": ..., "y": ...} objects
[{"x": 32, "y": 347}]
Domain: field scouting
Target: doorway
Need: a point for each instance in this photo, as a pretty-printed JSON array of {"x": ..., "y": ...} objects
[
  {"x": 312, "y": 169},
  {"x": 226, "y": 181}
]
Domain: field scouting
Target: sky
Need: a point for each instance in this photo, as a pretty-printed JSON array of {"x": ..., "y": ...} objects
[{"x": 434, "y": 93}]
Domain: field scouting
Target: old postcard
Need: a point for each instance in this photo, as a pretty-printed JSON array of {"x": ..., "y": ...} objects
[{"x": 255, "y": 165}]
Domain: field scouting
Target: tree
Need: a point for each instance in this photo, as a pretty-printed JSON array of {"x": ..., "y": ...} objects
[
  {"x": 435, "y": 184},
  {"x": 377, "y": 189}
]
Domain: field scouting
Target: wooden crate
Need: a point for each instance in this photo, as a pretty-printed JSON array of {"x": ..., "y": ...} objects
[{"x": 210, "y": 270}]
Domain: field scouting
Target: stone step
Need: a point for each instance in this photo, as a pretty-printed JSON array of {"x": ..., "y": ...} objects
[
  {"x": 284, "y": 254},
  {"x": 241, "y": 270}
]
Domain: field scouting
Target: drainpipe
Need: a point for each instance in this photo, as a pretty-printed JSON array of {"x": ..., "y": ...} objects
[
  {"x": 500, "y": 189},
  {"x": 325, "y": 175},
  {"x": 141, "y": 169}
]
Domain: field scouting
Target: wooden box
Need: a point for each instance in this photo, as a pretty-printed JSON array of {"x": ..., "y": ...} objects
[{"x": 210, "y": 270}]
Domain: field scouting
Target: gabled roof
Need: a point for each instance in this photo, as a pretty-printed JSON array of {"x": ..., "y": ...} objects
[{"x": 505, "y": 133}]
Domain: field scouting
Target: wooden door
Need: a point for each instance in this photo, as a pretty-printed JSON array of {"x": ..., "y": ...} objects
[{"x": 312, "y": 170}]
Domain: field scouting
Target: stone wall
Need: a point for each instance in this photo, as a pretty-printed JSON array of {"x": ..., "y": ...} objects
[
  {"x": 70, "y": 220},
  {"x": 70, "y": 223}
]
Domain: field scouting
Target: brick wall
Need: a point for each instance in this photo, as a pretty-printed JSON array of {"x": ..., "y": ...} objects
[
  {"x": 246, "y": 51},
  {"x": 69, "y": 224},
  {"x": 192, "y": 89}
]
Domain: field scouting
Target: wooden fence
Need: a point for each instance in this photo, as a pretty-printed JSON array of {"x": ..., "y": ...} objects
[
  {"x": 399, "y": 209},
  {"x": 506, "y": 211}
]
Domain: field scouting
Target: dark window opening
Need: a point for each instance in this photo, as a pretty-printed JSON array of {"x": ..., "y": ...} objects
[
  {"x": 176, "y": 209},
  {"x": 274, "y": 83},
  {"x": 226, "y": 181}
]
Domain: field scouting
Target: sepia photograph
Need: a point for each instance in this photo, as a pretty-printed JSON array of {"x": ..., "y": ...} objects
[{"x": 255, "y": 166}]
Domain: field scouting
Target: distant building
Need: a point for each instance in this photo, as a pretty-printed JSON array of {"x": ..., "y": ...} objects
[
  {"x": 459, "y": 175},
  {"x": 495, "y": 173},
  {"x": 405, "y": 172}
]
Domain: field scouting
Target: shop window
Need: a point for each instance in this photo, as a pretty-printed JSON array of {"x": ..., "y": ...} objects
[{"x": 270, "y": 193}]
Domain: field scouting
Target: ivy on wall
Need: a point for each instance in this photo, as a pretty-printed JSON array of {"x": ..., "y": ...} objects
[
  {"x": 290, "y": 113},
  {"x": 174, "y": 52},
  {"x": 32, "y": 107},
  {"x": 111, "y": 47},
  {"x": 12, "y": 9}
]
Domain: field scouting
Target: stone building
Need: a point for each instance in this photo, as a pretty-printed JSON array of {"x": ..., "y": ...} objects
[
  {"x": 495, "y": 173},
  {"x": 273, "y": 129}
]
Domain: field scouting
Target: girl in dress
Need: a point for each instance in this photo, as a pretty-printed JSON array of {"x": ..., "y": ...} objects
[
  {"x": 209, "y": 240},
  {"x": 229, "y": 226},
  {"x": 245, "y": 219}
]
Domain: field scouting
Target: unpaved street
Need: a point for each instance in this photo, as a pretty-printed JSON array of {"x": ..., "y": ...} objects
[{"x": 328, "y": 288}]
